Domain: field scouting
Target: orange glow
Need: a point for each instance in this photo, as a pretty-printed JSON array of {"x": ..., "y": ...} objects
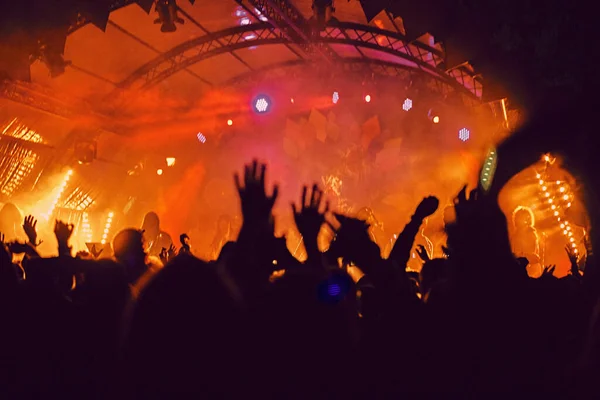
[
  {"x": 178, "y": 197},
  {"x": 58, "y": 195},
  {"x": 86, "y": 229},
  {"x": 107, "y": 225}
]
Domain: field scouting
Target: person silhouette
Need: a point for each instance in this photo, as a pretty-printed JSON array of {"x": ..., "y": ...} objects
[
  {"x": 154, "y": 238},
  {"x": 10, "y": 222},
  {"x": 525, "y": 239}
]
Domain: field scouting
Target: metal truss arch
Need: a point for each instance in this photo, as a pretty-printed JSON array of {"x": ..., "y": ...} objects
[
  {"x": 201, "y": 48},
  {"x": 357, "y": 66},
  {"x": 416, "y": 55},
  {"x": 347, "y": 64}
]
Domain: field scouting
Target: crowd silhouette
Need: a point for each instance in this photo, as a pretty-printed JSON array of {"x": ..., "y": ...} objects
[{"x": 256, "y": 322}]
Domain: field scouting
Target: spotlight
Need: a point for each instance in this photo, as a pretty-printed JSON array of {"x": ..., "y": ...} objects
[
  {"x": 239, "y": 12},
  {"x": 407, "y": 104},
  {"x": 262, "y": 104},
  {"x": 368, "y": 98},
  {"x": 159, "y": 172},
  {"x": 335, "y": 97},
  {"x": 292, "y": 100},
  {"x": 170, "y": 161},
  {"x": 229, "y": 122},
  {"x": 463, "y": 134},
  {"x": 201, "y": 137},
  {"x": 260, "y": 15},
  {"x": 433, "y": 116},
  {"x": 167, "y": 15}
]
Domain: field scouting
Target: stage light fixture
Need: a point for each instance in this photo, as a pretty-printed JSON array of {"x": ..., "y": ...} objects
[
  {"x": 260, "y": 15},
  {"x": 407, "y": 105},
  {"x": 262, "y": 104},
  {"x": 170, "y": 161},
  {"x": 107, "y": 225},
  {"x": 229, "y": 122},
  {"x": 54, "y": 60},
  {"x": 239, "y": 12},
  {"x": 368, "y": 98},
  {"x": 464, "y": 134},
  {"x": 322, "y": 13},
  {"x": 335, "y": 97},
  {"x": 201, "y": 137},
  {"x": 167, "y": 15},
  {"x": 292, "y": 100},
  {"x": 159, "y": 172},
  {"x": 245, "y": 21},
  {"x": 86, "y": 227},
  {"x": 59, "y": 194},
  {"x": 433, "y": 116},
  {"x": 86, "y": 152}
]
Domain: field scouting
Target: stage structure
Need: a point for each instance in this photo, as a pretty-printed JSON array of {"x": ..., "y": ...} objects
[{"x": 318, "y": 41}]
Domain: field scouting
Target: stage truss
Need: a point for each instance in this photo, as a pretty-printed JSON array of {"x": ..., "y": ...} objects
[{"x": 415, "y": 55}]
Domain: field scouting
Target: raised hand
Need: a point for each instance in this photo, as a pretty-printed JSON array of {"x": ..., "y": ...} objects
[
  {"x": 63, "y": 233},
  {"x": 164, "y": 256},
  {"x": 29, "y": 226},
  {"x": 172, "y": 252},
  {"x": 167, "y": 255},
  {"x": 310, "y": 216},
  {"x": 422, "y": 252},
  {"x": 22, "y": 248},
  {"x": 256, "y": 204},
  {"x": 427, "y": 207},
  {"x": 574, "y": 259},
  {"x": 548, "y": 271},
  {"x": 353, "y": 242}
]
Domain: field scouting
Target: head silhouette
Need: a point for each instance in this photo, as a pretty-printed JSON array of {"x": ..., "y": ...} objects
[
  {"x": 523, "y": 217},
  {"x": 128, "y": 247},
  {"x": 10, "y": 220},
  {"x": 151, "y": 224}
]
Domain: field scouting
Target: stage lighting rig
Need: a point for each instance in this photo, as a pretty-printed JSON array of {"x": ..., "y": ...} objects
[
  {"x": 54, "y": 61},
  {"x": 86, "y": 152},
  {"x": 50, "y": 50},
  {"x": 322, "y": 12},
  {"x": 167, "y": 15}
]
